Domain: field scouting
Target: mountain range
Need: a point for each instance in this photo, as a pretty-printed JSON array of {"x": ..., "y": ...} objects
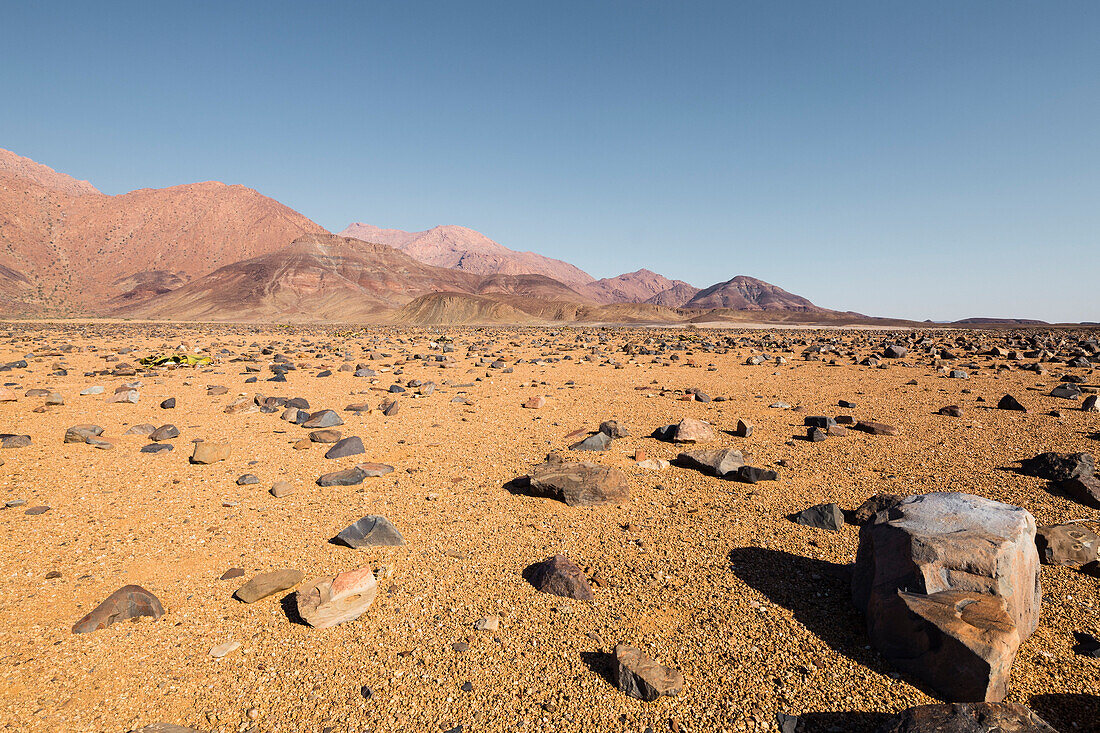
[{"x": 211, "y": 251}]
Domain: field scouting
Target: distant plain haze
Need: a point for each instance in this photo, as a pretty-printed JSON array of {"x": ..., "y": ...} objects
[{"x": 922, "y": 160}]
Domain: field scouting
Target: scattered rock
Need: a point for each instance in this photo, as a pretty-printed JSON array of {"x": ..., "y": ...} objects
[
  {"x": 876, "y": 428},
  {"x": 351, "y": 446},
  {"x": 596, "y": 442},
  {"x": 822, "y": 516},
  {"x": 128, "y": 602},
  {"x": 268, "y": 584},
  {"x": 371, "y": 531},
  {"x": 752, "y": 475},
  {"x": 1067, "y": 544},
  {"x": 327, "y": 602},
  {"x": 579, "y": 484},
  {"x": 614, "y": 429},
  {"x": 878, "y": 503},
  {"x": 208, "y": 452},
  {"x": 639, "y": 676},
  {"x": 281, "y": 488},
  {"x": 323, "y": 419},
  {"x": 691, "y": 430},
  {"x": 8, "y": 440},
  {"x": 164, "y": 432},
  {"x": 974, "y": 717},
  {"x": 1059, "y": 466},
  {"x": 81, "y": 433},
  {"x": 715, "y": 461},
  {"x": 224, "y": 648},
  {"x": 326, "y": 436},
  {"x": 561, "y": 577}
]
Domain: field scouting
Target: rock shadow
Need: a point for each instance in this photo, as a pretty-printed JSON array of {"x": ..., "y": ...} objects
[
  {"x": 603, "y": 664},
  {"x": 520, "y": 486},
  {"x": 817, "y": 592},
  {"x": 290, "y": 609},
  {"x": 850, "y": 722},
  {"x": 1068, "y": 711}
]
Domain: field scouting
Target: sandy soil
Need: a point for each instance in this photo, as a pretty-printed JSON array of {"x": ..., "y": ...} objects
[{"x": 705, "y": 575}]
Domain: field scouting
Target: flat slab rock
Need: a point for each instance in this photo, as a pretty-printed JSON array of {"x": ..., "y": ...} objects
[
  {"x": 81, "y": 433},
  {"x": 326, "y": 602},
  {"x": 371, "y": 531},
  {"x": 323, "y": 419},
  {"x": 639, "y": 676},
  {"x": 579, "y": 484},
  {"x": 1067, "y": 544},
  {"x": 976, "y": 717},
  {"x": 875, "y": 428},
  {"x": 268, "y": 584},
  {"x": 354, "y": 475},
  {"x": 560, "y": 576},
  {"x": 128, "y": 602},
  {"x": 208, "y": 452},
  {"x": 949, "y": 585}
]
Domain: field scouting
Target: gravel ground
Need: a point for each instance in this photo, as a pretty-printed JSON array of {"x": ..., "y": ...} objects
[{"x": 704, "y": 575}]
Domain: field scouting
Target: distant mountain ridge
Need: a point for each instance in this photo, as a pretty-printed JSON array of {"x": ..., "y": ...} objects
[
  {"x": 211, "y": 251},
  {"x": 633, "y": 287},
  {"x": 76, "y": 250},
  {"x": 461, "y": 248},
  {"x": 747, "y": 293}
]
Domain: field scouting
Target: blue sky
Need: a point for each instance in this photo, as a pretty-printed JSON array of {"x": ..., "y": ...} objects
[{"x": 927, "y": 160}]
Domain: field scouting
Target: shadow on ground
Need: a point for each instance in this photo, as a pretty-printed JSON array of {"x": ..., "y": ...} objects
[
  {"x": 817, "y": 592},
  {"x": 848, "y": 722},
  {"x": 1069, "y": 712},
  {"x": 289, "y": 604},
  {"x": 602, "y": 663}
]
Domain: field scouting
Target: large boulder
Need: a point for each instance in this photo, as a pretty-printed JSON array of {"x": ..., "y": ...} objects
[
  {"x": 578, "y": 484},
  {"x": 949, "y": 585},
  {"x": 980, "y": 717}
]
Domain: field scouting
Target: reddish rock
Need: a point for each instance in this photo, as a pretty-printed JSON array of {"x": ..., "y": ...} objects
[
  {"x": 691, "y": 430},
  {"x": 876, "y": 428},
  {"x": 330, "y": 601}
]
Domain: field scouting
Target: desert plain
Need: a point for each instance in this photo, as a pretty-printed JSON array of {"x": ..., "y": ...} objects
[{"x": 705, "y": 575}]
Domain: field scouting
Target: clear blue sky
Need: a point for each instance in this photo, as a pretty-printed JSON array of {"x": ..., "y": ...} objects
[{"x": 919, "y": 159}]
